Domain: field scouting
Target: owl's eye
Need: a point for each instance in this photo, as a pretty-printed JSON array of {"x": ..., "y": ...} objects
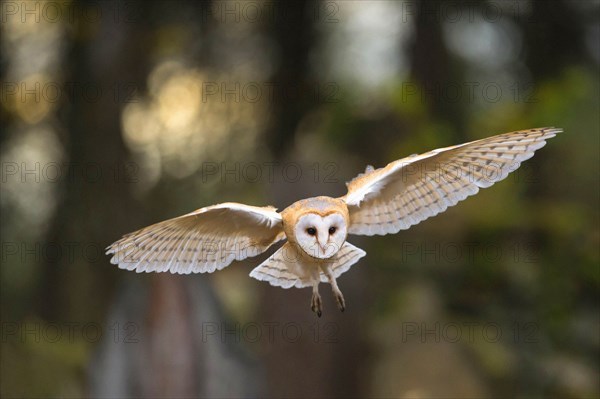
[
  {"x": 332, "y": 229},
  {"x": 311, "y": 231}
]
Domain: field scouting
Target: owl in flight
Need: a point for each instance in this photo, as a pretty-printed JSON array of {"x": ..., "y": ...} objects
[{"x": 378, "y": 201}]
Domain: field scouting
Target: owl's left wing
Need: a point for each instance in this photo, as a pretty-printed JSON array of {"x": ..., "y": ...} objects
[
  {"x": 202, "y": 241},
  {"x": 410, "y": 190}
]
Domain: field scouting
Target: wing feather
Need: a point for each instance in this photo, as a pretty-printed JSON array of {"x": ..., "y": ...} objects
[
  {"x": 202, "y": 241},
  {"x": 410, "y": 190},
  {"x": 277, "y": 270}
]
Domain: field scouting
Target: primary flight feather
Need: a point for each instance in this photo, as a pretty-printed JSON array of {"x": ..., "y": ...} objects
[{"x": 379, "y": 201}]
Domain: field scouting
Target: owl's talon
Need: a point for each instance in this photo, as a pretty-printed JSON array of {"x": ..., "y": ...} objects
[
  {"x": 340, "y": 300},
  {"x": 316, "y": 304}
]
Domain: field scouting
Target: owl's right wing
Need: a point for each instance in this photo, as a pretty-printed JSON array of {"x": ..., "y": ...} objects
[
  {"x": 202, "y": 241},
  {"x": 412, "y": 189}
]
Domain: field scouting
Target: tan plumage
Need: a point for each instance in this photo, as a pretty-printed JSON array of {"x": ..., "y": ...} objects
[
  {"x": 410, "y": 190},
  {"x": 205, "y": 240},
  {"x": 379, "y": 201}
]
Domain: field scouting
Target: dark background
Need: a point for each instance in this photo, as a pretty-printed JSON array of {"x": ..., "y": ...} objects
[{"x": 116, "y": 115}]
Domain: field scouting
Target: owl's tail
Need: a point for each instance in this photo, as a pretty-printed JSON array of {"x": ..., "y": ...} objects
[{"x": 284, "y": 270}]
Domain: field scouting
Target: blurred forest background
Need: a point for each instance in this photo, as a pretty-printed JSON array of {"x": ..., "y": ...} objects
[{"x": 116, "y": 115}]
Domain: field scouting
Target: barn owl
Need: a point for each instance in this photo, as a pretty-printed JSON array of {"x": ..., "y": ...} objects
[{"x": 378, "y": 201}]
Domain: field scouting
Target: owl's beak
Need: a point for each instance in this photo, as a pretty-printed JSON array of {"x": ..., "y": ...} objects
[
  {"x": 322, "y": 242},
  {"x": 323, "y": 248},
  {"x": 326, "y": 249}
]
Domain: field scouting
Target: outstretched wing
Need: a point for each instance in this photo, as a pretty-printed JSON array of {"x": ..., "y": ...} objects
[
  {"x": 203, "y": 241},
  {"x": 410, "y": 190}
]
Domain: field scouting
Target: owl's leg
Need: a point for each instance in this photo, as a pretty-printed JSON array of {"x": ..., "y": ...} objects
[
  {"x": 315, "y": 303},
  {"x": 334, "y": 287}
]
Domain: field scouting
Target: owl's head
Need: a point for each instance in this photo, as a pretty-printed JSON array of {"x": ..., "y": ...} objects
[{"x": 321, "y": 235}]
